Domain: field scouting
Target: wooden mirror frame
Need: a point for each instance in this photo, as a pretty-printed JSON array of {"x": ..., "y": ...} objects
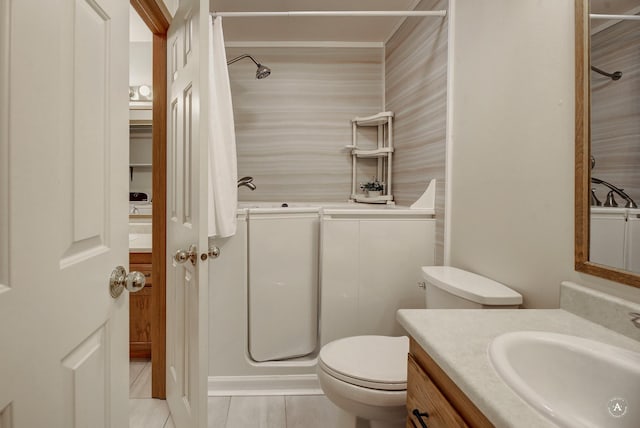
[{"x": 583, "y": 153}]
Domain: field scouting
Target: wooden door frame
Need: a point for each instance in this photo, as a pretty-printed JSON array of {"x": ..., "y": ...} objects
[{"x": 156, "y": 16}]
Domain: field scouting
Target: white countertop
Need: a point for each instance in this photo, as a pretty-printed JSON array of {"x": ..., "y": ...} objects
[
  {"x": 140, "y": 233},
  {"x": 140, "y": 242},
  {"x": 458, "y": 341}
]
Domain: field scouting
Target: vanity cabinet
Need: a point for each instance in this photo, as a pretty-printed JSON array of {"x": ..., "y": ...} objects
[
  {"x": 433, "y": 397},
  {"x": 140, "y": 309}
]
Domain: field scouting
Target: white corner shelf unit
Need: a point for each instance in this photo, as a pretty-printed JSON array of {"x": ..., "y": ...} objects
[
  {"x": 383, "y": 153},
  {"x": 140, "y": 140}
]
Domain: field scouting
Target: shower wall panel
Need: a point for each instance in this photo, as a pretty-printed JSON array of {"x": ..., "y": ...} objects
[
  {"x": 292, "y": 127},
  {"x": 416, "y": 90}
]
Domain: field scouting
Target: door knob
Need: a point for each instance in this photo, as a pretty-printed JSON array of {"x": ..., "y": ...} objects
[
  {"x": 181, "y": 256},
  {"x": 212, "y": 253},
  {"x": 120, "y": 279}
]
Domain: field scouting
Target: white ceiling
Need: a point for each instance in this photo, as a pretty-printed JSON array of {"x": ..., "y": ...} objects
[
  {"x": 357, "y": 29},
  {"x": 613, "y": 7},
  {"x": 343, "y": 29}
]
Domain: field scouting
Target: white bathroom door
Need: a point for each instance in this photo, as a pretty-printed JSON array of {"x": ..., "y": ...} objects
[
  {"x": 187, "y": 275},
  {"x": 63, "y": 213}
]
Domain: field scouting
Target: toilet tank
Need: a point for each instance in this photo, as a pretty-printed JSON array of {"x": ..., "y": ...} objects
[{"x": 452, "y": 288}]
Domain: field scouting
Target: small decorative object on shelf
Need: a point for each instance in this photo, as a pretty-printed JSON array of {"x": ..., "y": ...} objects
[
  {"x": 372, "y": 188},
  {"x": 378, "y": 190}
]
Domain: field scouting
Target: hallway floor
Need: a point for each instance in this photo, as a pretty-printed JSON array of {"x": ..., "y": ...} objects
[
  {"x": 144, "y": 411},
  {"x": 274, "y": 411}
]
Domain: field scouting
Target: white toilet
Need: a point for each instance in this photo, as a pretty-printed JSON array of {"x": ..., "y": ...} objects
[{"x": 366, "y": 376}]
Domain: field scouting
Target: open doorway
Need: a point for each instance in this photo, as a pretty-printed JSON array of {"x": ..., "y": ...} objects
[
  {"x": 140, "y": 207},
  {"x": 156, "y": 18}
]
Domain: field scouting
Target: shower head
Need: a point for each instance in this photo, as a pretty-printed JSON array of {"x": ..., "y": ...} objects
[
  {"x": 262, "y": 71},
  {"x": 616, "y": 75}
]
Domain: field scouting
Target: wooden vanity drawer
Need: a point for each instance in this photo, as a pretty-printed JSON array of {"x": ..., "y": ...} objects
[
  {"x": 140, "y": 324},
  {"x": 425, "y": 398},
  {"x": 424, "y": 365},
  {"x": 140, "y": 308}
]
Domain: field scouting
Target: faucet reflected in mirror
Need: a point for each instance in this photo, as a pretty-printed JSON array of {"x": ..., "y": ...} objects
[
  {"x": 610, "y": 201},
  {"x": 246, "y": 182}
]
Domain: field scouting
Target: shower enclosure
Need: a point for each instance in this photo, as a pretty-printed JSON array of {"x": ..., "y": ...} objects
[{"x": 295, "y": 277}]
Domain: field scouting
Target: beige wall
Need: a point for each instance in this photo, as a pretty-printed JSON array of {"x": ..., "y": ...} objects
[
  {"x": 512, "y": 146},
  {"x": 140, "y": 63},
  {"x": 292, "y": 127},
  {"x": 416, "y": 90}
]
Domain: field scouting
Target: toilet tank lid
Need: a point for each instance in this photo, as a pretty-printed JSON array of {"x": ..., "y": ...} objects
[{"x": 470, "y": 286}]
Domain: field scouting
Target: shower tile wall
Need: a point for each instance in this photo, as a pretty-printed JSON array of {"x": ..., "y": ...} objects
[
  {"x": 416, "y": 90},
  {"x": 615, "y": 115},
  {"x": 292, "y": 128}
]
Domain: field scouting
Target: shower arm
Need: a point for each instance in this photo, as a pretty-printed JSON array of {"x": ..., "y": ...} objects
[
  {"x": 238, "y": 58},
  {"x": 616, "y": 75}
]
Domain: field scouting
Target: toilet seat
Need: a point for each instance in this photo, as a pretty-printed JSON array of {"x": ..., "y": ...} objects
[{"x": 376, "y": 362}]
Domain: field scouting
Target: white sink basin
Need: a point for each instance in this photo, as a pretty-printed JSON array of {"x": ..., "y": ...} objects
[{"x": 574, "y": 382}]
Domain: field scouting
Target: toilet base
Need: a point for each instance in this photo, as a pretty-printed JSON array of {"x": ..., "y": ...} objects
[{"x": 364, "y": 407}]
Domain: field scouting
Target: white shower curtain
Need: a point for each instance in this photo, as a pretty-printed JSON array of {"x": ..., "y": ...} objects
[{"x": 223, "y": 168}]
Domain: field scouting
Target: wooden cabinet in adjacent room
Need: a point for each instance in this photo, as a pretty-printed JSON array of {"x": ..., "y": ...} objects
[{"x": 140, "y": 309}]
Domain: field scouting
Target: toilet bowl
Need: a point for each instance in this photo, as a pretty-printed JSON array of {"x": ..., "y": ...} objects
[{"x": 366, "y": 376}]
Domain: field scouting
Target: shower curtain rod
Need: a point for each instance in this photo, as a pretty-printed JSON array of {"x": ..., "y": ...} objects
[
  {"x": 335, "y": 13},
  {"x": 620, "y": 17}
]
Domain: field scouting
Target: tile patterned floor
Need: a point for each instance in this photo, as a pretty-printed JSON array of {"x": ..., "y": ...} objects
[
  {"x": 144, "y": 411},
  {"x": 277, "y": 411},
  {"x": 304, "y": 411}
]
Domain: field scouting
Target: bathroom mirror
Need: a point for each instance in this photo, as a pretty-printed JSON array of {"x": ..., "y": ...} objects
[{"x": 607, "y": 239}]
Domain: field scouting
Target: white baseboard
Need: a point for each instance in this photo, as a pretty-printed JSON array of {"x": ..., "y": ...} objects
[{"x": 264, "y": 385}]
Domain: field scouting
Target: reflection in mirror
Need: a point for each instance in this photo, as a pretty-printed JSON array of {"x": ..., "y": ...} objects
[
  {"x": 608, "y": 117},
  {"x": 615, "y": 140}
]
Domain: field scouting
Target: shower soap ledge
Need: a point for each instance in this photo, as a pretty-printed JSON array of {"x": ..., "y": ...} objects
[
  {"x": 375, "y": 120},
  {"x": 372, "y": 153}
]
